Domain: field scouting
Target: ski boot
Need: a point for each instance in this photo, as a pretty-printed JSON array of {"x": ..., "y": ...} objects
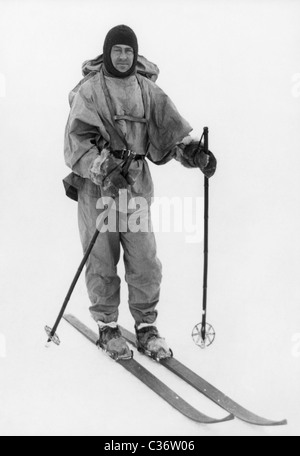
[
  {"x": 151, "y": 344},
  {"x": 112, "y": 342}
]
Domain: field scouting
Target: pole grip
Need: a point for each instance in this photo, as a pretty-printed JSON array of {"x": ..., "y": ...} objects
[{"x": 206, "y": 141}]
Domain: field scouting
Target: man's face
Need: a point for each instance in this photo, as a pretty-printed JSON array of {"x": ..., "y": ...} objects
[{"x": 122, "y": 57}]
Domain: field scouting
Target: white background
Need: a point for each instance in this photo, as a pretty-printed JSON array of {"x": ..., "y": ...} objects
[{"x": 231, "y": 65}]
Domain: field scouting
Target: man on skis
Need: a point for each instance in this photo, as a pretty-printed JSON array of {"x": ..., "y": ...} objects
[{"x": 117, "y": 110}]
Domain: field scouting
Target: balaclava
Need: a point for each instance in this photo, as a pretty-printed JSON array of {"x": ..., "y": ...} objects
[{"x": 119, "y": 35}]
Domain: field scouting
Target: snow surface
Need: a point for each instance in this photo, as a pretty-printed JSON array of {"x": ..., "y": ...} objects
[{"x": 242, "y": 87}]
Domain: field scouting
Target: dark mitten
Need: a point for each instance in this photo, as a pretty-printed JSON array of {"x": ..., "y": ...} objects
[
  {"x": 206, "y": 162},
  {"x": 115, "y": 182},
  {"x": 191, "y": 156}
]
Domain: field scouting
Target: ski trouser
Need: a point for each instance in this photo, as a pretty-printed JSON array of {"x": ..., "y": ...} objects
[{"x": 143, "y": 268}]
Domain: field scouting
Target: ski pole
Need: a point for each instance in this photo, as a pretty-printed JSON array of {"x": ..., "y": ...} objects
[
  {"x": 203, "y": 333},
  {"x": 52, "y": 336}
]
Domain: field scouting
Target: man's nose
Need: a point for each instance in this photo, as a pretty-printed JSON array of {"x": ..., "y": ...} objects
[{"x": 123, "y": 55}]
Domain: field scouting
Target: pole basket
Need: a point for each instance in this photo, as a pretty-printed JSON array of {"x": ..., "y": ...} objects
[
  {"x": 209, "y": 338},
  {"x": 54, "y": 338}
]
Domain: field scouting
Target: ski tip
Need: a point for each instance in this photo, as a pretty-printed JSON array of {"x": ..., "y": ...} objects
[
  {"x": 279, "y": 423},
  {"x": 262, "y": 422}
]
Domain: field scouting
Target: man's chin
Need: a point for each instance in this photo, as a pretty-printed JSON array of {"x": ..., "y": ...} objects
[{"x": 123, "y": 68}]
